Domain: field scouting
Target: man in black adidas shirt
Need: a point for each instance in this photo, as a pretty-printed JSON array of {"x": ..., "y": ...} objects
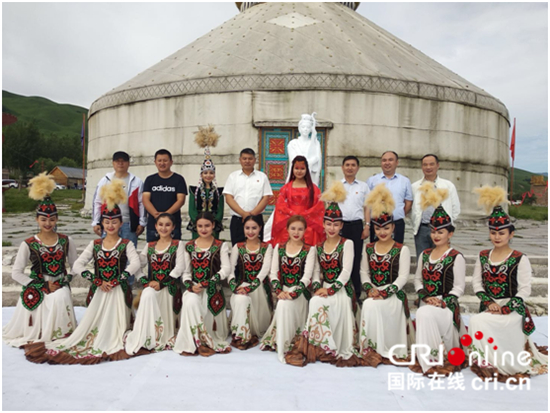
[{"x": 164, "y": 191}]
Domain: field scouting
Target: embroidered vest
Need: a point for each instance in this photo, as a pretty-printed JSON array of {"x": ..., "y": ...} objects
[
  {"x": 48, "y": 260},
  {"x": 291, "y": 269},
  {"x": 500, "y": 281},
  {"x": 249, "y": 264},
  {"x": 438, "y": 278},
  {"x": 204, "y": 264},
  {"x": 384, "y": 269},
  {"x": 331, "y": 266}
]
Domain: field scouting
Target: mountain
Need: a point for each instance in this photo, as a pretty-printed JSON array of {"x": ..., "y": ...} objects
[{"x": 50, "y": 117}]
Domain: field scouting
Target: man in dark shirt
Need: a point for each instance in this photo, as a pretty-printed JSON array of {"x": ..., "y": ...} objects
[{"x": 164, "y": 191}]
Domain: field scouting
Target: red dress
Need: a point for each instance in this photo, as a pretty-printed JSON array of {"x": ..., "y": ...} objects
[{"x": 294, "y": 201}]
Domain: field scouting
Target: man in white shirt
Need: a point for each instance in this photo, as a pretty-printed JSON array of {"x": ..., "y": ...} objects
[
  {"x": 400, "y": 187},
  {"x": 421, "y": 219},
  {"x": 247, "y": 192},
  {"x": 354, "y": 213}
]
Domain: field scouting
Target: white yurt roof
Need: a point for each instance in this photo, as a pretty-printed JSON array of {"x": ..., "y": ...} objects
[{"x": 299, "y": 46}]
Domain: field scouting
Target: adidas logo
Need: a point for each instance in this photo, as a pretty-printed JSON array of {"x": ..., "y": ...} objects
[{"x": 161, "y": 188}]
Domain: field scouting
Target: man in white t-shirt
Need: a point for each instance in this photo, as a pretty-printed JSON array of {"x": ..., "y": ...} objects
[{"x": 247, "y": 192}]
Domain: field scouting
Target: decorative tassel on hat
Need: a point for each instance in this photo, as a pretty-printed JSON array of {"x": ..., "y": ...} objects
[
  {"x": 381, "y": 203},
  {"x": 41, "y": 187},
  {"x": 207, "y": 137},
  {"x": 491, "y": 199},
  {"x": 335, "y": 194},
  {"x": 431, "y": 197},
  {"x": 112, "y": 194}
]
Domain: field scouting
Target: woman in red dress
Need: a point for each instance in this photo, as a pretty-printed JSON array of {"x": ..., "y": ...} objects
[{"x": 300, "y": 196}]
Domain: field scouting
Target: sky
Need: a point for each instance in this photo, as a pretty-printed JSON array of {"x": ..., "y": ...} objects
[{"x": 76, "y": 52}]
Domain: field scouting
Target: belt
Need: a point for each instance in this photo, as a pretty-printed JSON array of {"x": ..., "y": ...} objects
[{"x": 356, "y": 222}]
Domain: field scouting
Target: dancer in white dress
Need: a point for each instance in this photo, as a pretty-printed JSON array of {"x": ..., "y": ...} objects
[
  {"x": 99, "y": 336},
  {"x": 292, "y": 268},
  {"x": 502, "y": 281},
  {"x": 45, "y": 311},
  {"x": 203, "y": 322},
  {"x": 330, "y": 331},
  {"x": 160, "y": 302},
  {"x": 250, "y": 301},
  {"x": 385, "y": 267},
  {"x": 439, "y": 281}
]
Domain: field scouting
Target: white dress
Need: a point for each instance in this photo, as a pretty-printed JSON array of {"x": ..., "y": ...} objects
[
  {"x": 54, "y": 317},
  {"x": 155, "y": 324},
  {"x": 100, "y": 332},
  {"x": 506, "y": 332},
  {"x": 200, "y": 329},
  {"x": 250, "y": 313},
  {"x": 436, "y": 325},
  {"x": 385, "y": 322},
  {"x": 292, "y": 274},
  {"x": 330, "y": 322}
]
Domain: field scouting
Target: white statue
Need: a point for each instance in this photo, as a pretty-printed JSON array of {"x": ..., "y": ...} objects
[{"x": 308, "y": 146}]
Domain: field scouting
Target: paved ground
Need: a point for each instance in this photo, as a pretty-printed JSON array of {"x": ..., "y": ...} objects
[{"x": 470, "y": 237}]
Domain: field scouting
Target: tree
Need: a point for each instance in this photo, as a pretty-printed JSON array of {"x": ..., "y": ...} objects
[
  {"x": 22, "y": 145},
  {"x": 67, "y": 162}
]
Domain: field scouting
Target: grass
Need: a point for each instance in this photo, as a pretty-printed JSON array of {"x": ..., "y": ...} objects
[
  {"x": 536, "y": 213},
  {"x": 16, "y": 201},
  {"x": 6, "y": 244}
]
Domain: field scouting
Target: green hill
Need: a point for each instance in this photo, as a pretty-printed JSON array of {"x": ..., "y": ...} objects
[
  {"x": 522, "y": 180},
  {"x": 50, "y": 117}
]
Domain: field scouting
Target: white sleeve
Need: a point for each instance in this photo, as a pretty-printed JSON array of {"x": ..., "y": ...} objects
[
  {"x": 21, "y": 261},
  {"x": 347, "y": 262},
  {"x": 404, "y": 268},
  {"x": 72, "y": 255},
  {"x": 524, "y": 278},
  {"x": 266, "y": 266},
  {"x": 225, "y": 268},
  {"x": 455, "y": 202},
  {"x": 459, "y": 275},
  {"x": 228, "y": 188},
  {"x": 143, "y": 262},
  {"x": 133, "y": 266},
  {"x": 80, "y": 264},
  {"x": 418, "y": 284},
  {"x": 477, "y": 281},
  {"x": 274, "y": 273},
  {"x": 234, "y": 259},
  {"x": 267, "y": 187},
  {"x": 142, "y": 211},
  {"x": 180, "y": 261},
  {"x": 365, "y": 269},
  {"x": 96, "y": 203},
  {"x": 311, "y": 271}
]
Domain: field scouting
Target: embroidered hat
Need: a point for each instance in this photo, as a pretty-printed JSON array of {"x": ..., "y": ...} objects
[
  {"x": 332, "y": 196},
  {"x": 440, "y": 219},
  {"x": 491, "y": 199},
  {"x": 41, "y": 187},
  {"x": 381, "y": 203},
  {"x": 432, "y": 197},
  {"x": 207, "y": 137},
  {"x": 112, "y": 194}
]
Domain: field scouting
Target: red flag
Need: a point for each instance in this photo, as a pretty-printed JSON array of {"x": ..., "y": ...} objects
[{"x": 513, "y": 141}]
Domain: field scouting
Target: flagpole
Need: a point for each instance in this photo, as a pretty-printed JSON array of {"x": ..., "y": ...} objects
[
  {"x": 83, "y": 154},
  {"x": 513, "y": 150}
]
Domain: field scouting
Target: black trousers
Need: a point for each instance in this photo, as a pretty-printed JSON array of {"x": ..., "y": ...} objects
[
  {"x": 352, "y": 230},
  {"x": 398, "y": 232},
  {"x": 236, "y": 229}
]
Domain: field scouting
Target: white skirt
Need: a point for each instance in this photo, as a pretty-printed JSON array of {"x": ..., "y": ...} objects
[
  {"x": 384, "y": 325},
  {"x": 101, "y": 330},
  {"x": 52, "y": 320},
  {"x": 506, "y": 332},
  {"x": 434, "y": 326},
  {"x": 197, "y": 325},
  {"x": 155, "y": 324},
  {"x": 331, "y": 324},
  {"x": 250, "y": 314},
  {"x": 288, "y": 321}
]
